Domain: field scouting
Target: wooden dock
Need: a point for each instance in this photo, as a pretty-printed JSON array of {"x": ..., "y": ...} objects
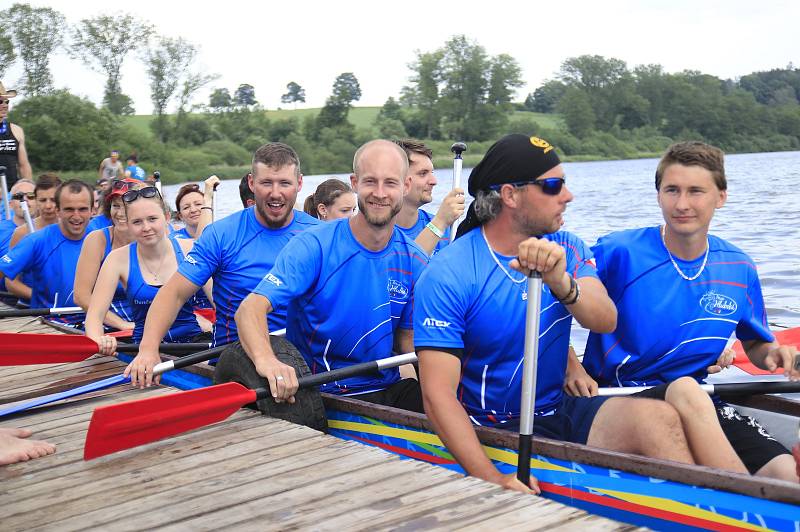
[{"x": 249, "y": 472}]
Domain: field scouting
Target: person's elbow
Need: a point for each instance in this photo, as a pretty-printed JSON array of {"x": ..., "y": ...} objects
[
  {"x": 252, "y": 305},
  {"x": 608, "y": 320}
]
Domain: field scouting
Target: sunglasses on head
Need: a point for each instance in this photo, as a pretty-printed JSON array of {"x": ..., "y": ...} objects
[
  {"x": 550, "y": 185},
  {"x": 146, "y": 192},
  {"x": 19, "y": 196}
]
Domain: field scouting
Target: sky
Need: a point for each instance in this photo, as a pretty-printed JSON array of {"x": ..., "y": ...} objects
[{"x": 268, "y": 44}]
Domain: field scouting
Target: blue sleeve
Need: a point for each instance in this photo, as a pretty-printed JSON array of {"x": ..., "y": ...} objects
[
  {"x": 580, "y": 259},
  {"x": 598, "y": 250},
  {"x": 439, "y": 309},
  {"x": 20, "y": 258},
  {"x": 204, "y": 258},
  {"x": 753, "y": 325},
  {"x": 295, "y": 272}
]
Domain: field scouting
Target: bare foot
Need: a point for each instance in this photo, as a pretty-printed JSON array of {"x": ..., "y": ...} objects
[{"x": 14, "y": 448}]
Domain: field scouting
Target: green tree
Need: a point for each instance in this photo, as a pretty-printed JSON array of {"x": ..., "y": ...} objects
[
  {"x": 220, "y": 100},
  {"x": 423, "y": 95},
  {"x": 64, "y": 131},
  {"x": 577, "y": 111},
  {"x": 36, "y": 33},
  {"x": 294, "y": 93},
  {"x": 346, "y": 90},
  {"x": 7, "y": 55},
  {"x": 245, "y": 96},
  {"x": 545, "y": 98},
  {"x": 505, "y": 76},
  {"x": 100, "y": 44}
]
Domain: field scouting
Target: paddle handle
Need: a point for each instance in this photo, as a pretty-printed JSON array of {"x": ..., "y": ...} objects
[
  {"x": 183, "y": 362},
  {"x": 725, "y": 389},
  {"x": 17, "y": 313},
  {"x": 26, "y": 213},
  {"x": 530, "y": 362},
  {"x": 166, "y": 348},
  {"x": 4, "y": 184}
]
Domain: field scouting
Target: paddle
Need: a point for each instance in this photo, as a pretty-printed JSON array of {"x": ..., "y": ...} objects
[
  {"x": 55, "y": 311},
  {"x": 183, "y": 362},
  {"x": 725, "y": 389},
  {"x": 34, "y": 348},
  {"x": 4, "y": 185},
  {"x": 457, "y": 148},
  {"x": 529, "y": 364},
  {"x": 123, "y": 426}
]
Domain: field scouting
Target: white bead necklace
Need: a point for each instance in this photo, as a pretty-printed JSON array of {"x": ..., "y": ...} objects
[
  {"x": 508, "y": 274},
  {"x": 672, "y": 259}
]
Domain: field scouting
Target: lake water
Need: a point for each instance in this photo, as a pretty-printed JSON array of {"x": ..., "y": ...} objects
[{"x": 761, "y": 215}]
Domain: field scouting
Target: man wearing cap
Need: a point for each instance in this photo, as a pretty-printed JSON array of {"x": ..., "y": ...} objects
[
  {"x": 469, "y": 320},
  {"x": 432, "y": 233},
  {"x": 110, "y": 167},
  {"x": 13, "y": 154}
]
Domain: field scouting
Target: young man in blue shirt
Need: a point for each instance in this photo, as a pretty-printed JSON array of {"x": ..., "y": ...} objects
[
  {"x": 348, "y": 287},
  {"x": 431, "y": 232},
  {"x": 236, "y": 252},
  {"x": 469, "y": 320},
  {"x": 51, "y": 254},
  {"x": 681, "y": 294}
]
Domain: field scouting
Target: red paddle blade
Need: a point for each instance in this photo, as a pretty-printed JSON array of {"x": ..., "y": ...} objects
[
  {"x": 123, "y": 426},
  {"x": 785, "y": 337},
  {"x": 127, "y": 333},
  {"x": 18, "y": 349}
]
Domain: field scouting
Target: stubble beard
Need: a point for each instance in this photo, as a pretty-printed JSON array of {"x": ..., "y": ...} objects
[{"x": 375, "y": 221}]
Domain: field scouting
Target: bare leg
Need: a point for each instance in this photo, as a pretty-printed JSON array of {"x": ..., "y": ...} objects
[
  {"x": 14, "y": 448},
  {"x": 707, "y": 441},
  {"x": 782, "y": 467},
  {"x": 647, "y": 427}
]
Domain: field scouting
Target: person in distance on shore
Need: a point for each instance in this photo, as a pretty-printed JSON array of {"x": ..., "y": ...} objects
[
  {"x": 236, "y": 252},
  {"x": 133, "y": 170},
  {"x": 15, "y": 447},
  {"x": 110, "y": 167},
  {"x": 332, "y": 200},
  {"x": 96, "y": 248},
  {"x": 470, "y": 363},
  {"x": 13, "y": 154},
  {"x": 142, "y": 267},
  {"x": 51, "y": 254},
  {"x": 708, "y": 289},
  {"x": 432, "y": 233},
  {"x": 332, "y": 326}
]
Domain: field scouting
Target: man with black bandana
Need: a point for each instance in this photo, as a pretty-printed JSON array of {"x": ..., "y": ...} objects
[{"x": 469, "y": 320}]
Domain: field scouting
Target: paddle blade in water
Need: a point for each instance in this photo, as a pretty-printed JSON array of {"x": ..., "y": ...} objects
[
  {"x": 30, "y": 348},
  {"x": 123, "y": 426}
]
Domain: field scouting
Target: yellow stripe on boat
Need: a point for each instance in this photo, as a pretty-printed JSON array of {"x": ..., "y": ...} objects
[
  {"x": 680, "y": 508},
  {"x": 414, "y": 436}
]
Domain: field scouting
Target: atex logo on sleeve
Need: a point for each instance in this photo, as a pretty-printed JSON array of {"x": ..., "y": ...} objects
[
  {"x": 432, "y": 322},
  {"x": 6, "y": 259},
  {"x": 190, "y": 260},
  {"x": 272, "y": 279}
]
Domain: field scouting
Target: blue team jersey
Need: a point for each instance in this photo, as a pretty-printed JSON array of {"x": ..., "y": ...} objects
[
  {"x": 237, "y": 252},
  {"x": 51, "y": 258},
  {"x": 422, "y": 220},
  {"x": 179, "y": 233},
  {"x": 137, "y": 172},
  {"x": 98, "y": 222},
  {"x": 669, "y": 327},
  {"x": 344, "y": 301},
  {"x": 7, "y": 228},
  {"x": 119, "y": 305},
  {"x": 466, "y": 304}
]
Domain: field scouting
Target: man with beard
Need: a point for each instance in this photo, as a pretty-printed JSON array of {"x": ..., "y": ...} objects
[
  {"x": 348, "y": 286},
  {"x": 51, "y": 254},
  {"x": 236, "y": 252}
]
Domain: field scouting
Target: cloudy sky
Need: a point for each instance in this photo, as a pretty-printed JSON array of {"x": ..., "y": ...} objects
[{"x": 267, "y": 43}]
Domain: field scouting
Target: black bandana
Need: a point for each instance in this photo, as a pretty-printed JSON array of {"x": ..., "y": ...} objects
[{"x": 512, "y": 159}]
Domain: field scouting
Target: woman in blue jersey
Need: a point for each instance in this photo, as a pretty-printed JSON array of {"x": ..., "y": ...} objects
[
  {"x": 194, "y": 208},
  {"x": 98, "y": 244},
  {"x": 142, "y": 267}
]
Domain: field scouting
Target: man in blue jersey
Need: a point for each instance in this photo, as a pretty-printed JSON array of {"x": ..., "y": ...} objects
[
  {"x": 469, "y": 320},
  {"x": 51, "y": 254},
  {"x": 432, "y": 233},
  {"x": 236, "y": 252},
  {"x": 22, "y": 190},
  {"x": 133, "y": 170},
  {"x": 681, "y": 294},
  {"x": 348, "y": 287}
]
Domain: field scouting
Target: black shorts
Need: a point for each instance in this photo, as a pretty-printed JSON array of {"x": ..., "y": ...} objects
[
  {"x": 405, "y": 394},
  {"x": 754, "y": 445}
]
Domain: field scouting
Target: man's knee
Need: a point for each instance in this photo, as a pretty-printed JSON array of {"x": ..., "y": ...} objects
[
  {"x": 782, "y": 467},
  {"x": 686, "y": 395}
]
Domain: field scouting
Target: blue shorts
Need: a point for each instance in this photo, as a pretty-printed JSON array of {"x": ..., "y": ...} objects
[{"x": 571, "y": 421}]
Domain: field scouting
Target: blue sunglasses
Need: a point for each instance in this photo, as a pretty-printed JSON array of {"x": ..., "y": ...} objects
[{"x": 550, "y": 185}]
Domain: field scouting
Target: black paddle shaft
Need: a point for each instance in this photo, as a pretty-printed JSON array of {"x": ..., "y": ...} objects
[
  {"x": 328, "y": 376},
  {"x": 166, "y": 348},
  {"x": 22, "y": 312},
  {"x": 749, "y": 388}
]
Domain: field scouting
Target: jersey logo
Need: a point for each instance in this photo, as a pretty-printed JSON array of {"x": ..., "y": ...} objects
[
  {"x": 718, "y": 304},
  {"x": 397, "y": 289},
  {"x": 272, "y": 279},
  {"x": 190, "y": 260},
  {"x": 431, "y": 322},
  {"x": 6, "y": 259}
]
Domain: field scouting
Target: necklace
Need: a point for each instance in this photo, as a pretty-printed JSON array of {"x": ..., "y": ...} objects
[
  {"x": 155, "y": 275},
  {"x": 672, "y": 259},
  {"x": 516, "y": 282}
]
